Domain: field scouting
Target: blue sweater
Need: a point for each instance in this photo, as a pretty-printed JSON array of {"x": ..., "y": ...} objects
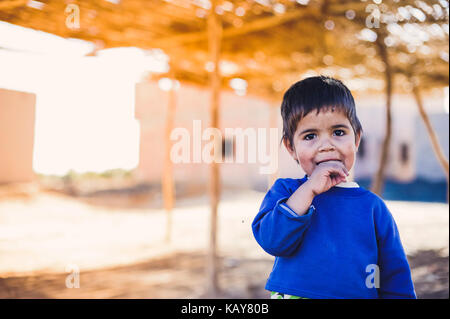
[{"x": 335, "y": 250}]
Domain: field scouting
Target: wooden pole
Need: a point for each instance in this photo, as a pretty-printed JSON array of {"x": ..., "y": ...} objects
[
  {"x": 377, "y": 183},
  {"x": 168, "y": 187},
  {"x": 266, "y": 23},
  {"x": 214, "y": 41},
  {"x": 431, "y": 133}
]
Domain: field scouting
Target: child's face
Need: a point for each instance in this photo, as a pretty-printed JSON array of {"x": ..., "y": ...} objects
[{"x": 325, "y": 136}]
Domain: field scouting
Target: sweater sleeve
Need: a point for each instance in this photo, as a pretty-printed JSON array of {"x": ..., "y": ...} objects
[
  {"x": 276, "y": 227},
  {"x": 395, "y": 273}
]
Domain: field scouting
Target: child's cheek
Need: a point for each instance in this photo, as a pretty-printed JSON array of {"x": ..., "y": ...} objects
[
  {"x": 307, "y": 165},
  {"x": 350, "y": 161}
]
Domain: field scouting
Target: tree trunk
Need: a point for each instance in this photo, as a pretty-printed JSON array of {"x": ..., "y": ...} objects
[
  {"x": 168, "y": 187},
  {"x": 214, "y": 41},
  {"x": 431, "y": 133},
  {"x": 377, "y": 183}
]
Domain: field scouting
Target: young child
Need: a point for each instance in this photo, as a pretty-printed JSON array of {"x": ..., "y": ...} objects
[{"x": 330, "y": 238}]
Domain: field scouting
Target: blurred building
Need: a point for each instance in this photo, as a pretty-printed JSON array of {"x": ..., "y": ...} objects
[
  {"x": 17, "y": 118},
  {"x": 192, "y": 104},
  {"x": 410, "y": 156}
]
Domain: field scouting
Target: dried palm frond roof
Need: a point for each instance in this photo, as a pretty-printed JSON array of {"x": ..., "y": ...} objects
[{"x": 268, "y": 43}]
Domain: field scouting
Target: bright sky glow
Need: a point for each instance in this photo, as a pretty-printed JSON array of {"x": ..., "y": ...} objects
[{"x": 84, "y": 106}]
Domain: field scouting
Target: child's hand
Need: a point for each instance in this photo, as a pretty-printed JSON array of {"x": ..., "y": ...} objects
[{"x": 326, "y": 175}]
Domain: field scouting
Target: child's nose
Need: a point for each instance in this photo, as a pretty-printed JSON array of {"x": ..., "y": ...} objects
[{"x": 326, "y": 145}]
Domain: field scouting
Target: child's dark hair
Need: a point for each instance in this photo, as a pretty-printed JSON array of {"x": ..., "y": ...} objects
[{"x": 316, "y": 93}]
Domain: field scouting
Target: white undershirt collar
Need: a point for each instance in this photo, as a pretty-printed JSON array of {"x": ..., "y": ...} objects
[{"x": 345, "y": 184}]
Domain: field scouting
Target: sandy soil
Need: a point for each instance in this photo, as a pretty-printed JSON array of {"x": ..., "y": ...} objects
[{"x": 121, "y": 252}]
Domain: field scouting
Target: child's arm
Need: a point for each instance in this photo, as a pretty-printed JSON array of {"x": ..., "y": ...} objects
[
  {"x": 395, "y": 273},
  {"x": 284, "y": 217},
  {"x": 323, "y": 177},
  {"x": 277, "y": 227}
]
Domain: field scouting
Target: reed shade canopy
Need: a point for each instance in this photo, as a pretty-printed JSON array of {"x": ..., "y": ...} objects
[{"x": 270, "y": 44}]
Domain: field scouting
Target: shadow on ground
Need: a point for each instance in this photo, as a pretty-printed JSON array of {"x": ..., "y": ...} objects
[
  {"x": 430, "y": 274},
  {"x": 182, "y": 275}
]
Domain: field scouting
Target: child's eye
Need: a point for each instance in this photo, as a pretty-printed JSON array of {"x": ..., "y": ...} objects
[
  {"x": 309, "y": 137},
  {"x": 339, "y": 132}
]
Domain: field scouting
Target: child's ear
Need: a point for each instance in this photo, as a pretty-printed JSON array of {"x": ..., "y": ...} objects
[
  {"x": 358, "y": 140},
  {"x": 290, "y": 149}
]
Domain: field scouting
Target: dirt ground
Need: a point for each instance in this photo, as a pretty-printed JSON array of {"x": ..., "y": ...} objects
[{"x": 117, "y": 242}]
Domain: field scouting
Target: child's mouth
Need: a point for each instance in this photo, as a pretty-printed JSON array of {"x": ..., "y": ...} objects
[{"x": 331, "y": 160}]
